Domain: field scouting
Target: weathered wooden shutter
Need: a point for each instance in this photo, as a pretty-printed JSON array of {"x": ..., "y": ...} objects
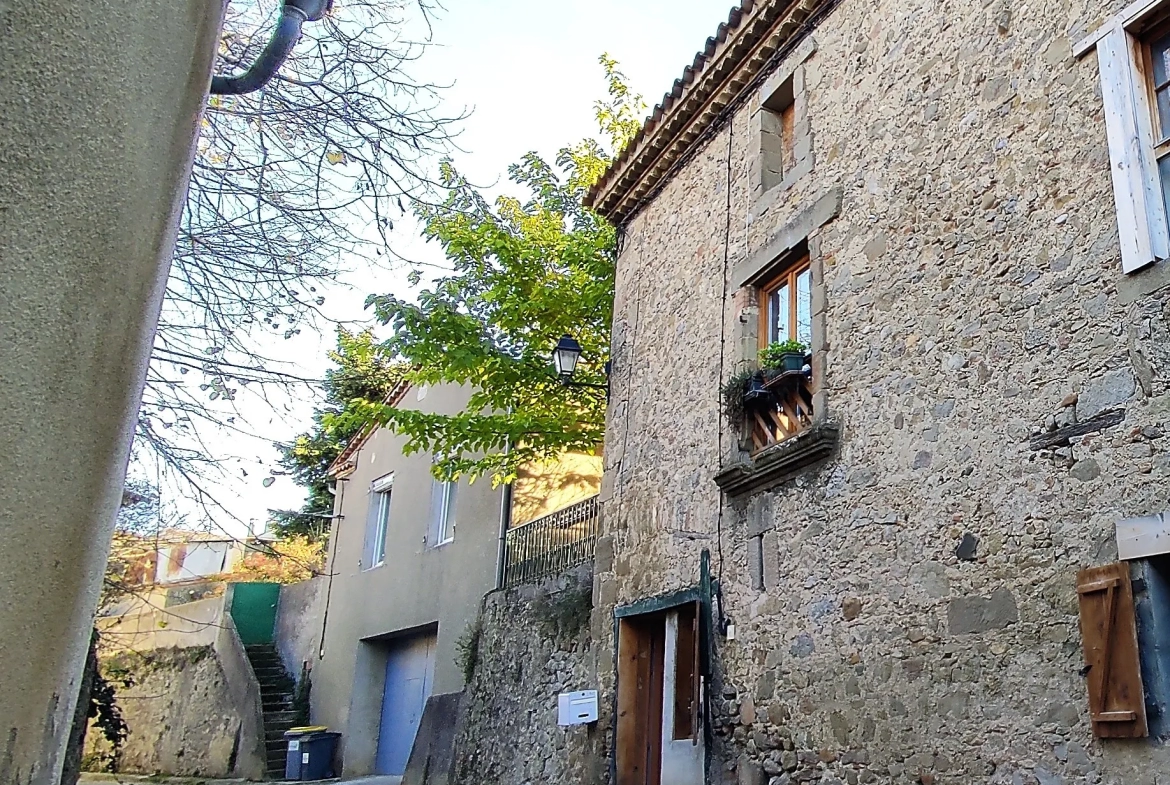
[
  {"x": 687, "y": 677},
  {"x": 1109, "y": 631},
  {"x": 1137, "y": 190},
  {"x": 697, "y": 682}
]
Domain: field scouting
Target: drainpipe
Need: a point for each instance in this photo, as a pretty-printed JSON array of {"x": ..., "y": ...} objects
[
  {"x": 338, "y": 491},
  {"x": 505, "y": 524},
  {"x": 293, "y": 15}
]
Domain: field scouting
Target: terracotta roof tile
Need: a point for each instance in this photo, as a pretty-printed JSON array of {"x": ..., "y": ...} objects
[{"x": 741, "y": 49}]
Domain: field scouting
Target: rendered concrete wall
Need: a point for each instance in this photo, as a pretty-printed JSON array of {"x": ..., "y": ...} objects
[
  {"x": 99, "y": 107},
  {"x": 179, "y": 715},
  {"x": 418, "y": 586},
  {"x": 155, "y": 627},
  {"x": 195, "y": 706},
  {"x": 299, "y": 615},
  {"x": 971, "y": 285}
]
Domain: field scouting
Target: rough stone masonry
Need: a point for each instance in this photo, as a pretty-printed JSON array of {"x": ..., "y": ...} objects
[{"x": 915, "y": 616}]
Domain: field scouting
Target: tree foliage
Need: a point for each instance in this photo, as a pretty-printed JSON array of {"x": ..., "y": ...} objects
[
  {"x": 361, "y": 374},
  {"x": 288, "y": 185},
  {"x": 290, "y": 560},
  {"x": 526, "y": 272}
]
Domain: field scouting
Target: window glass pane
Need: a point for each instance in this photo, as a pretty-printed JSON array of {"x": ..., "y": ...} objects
[
  {"x": 1164, "y": 175},
  {"x": 1160, "y": 54},
  {"x": 383, "y": 525},
  {"x": 442, "y": 513},
  {"x": 778, "y": 305},
  {"x": 1163, "y": 99},
  {"x": 804, "y": 307},
  {"x": 447, "y": 533},
  {"x": 374, "y": 552}
]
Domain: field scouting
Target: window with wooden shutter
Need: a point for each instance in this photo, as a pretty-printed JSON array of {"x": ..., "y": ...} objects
[
  {"x": 1112, "y": 667},
  {"x": 1132, "y": 85}
]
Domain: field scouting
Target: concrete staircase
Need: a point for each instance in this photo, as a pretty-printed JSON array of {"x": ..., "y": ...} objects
[{"x": 276, "y": 697}]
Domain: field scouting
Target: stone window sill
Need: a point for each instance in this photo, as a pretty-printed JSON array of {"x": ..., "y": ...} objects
[
  {"x": 768, "y": 198},
  {"x": 781, "y": 462}
]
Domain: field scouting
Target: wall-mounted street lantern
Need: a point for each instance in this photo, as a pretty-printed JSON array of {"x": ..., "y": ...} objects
[{"x": 566, "y": 355}]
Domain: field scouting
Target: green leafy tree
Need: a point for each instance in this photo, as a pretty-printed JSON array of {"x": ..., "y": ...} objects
[
  {"x": 526, "y": 272},
  {"x": 362, "y": 375}
]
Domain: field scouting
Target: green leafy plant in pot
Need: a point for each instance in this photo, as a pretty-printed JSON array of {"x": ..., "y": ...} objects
[
  {"x": 783, "y": 356},
  {"x": 736, "y": 396}
]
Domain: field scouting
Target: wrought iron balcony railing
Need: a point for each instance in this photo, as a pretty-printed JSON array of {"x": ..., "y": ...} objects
[{"x": 552, "y": 544}]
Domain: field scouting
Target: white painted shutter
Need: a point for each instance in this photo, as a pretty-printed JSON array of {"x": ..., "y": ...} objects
[{"x": 1141, "y": 216}]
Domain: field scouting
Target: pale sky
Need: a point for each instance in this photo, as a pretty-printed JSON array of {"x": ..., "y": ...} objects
[{"x": 528, "y": 72}]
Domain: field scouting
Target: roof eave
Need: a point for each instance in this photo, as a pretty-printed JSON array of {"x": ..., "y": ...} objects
[{"x": 743, "y": 49}]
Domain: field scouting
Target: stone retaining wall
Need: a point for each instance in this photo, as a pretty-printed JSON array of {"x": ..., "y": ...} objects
[{"x": 533, "y": 644}]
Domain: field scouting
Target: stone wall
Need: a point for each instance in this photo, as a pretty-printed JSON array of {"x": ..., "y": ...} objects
[
  {"x": 194, "y": 704},
  {"x": 533, "y": 644},
  {"x": 917, "y": 620},
  {"x": 179, "y": 711}
]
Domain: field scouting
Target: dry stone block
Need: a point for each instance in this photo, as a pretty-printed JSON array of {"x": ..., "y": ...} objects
[
  {"x": 1106, "y": 391},
  {"x": 981, "y": 614}
]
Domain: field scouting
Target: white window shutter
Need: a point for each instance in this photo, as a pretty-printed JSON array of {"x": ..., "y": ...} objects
[{"x": 1141, "y": 216}]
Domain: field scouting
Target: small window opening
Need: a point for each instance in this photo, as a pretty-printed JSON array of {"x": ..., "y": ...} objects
[
  {"x": 1157, "y": 69},
  {"x": 756, "y": 561},
  {"x": 777, "y": 135},
  {"x": 1151, "y": 588}
]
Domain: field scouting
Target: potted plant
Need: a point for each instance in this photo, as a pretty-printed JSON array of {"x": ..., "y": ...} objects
[
  {"x": 741, "y": 391},
  {"x": 783, "y": 356}
]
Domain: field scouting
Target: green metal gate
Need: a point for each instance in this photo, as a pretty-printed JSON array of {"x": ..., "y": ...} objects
[{"x": 254, "y": 611}]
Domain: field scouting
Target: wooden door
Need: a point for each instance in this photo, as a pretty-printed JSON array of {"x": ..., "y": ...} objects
[{"x": 641, "y": 659}]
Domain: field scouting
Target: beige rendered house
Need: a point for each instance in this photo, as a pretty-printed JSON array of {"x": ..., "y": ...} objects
[{"x": 410, "y": 561}]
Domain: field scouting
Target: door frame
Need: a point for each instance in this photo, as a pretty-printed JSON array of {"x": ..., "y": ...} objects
[{"x": 662, "y": 605}]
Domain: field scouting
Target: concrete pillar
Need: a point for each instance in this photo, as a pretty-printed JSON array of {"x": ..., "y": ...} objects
[{"x": 99, "y": 106}]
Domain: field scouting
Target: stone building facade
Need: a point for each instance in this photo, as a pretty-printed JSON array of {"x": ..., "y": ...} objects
[{"x": 895, "y": 593}]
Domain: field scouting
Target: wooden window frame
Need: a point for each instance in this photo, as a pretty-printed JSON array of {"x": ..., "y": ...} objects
[
  {"x": 1151, "y": 32},
  {"x": 1123, "y": 58},
  {"x": 791, "y": 272}
]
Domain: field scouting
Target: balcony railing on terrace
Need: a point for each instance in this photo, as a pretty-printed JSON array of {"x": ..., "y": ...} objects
[
  {"x": 783, "y": 411},
  {"x": 552, "y": 544}
]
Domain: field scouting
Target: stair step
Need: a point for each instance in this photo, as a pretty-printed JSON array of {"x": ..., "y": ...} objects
[
  {"x": 270, "y": 670},
  {"x": 266, "y": 662},
  {"x": 272, "y": 719},
  {"x": 277, "y": 685}
]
